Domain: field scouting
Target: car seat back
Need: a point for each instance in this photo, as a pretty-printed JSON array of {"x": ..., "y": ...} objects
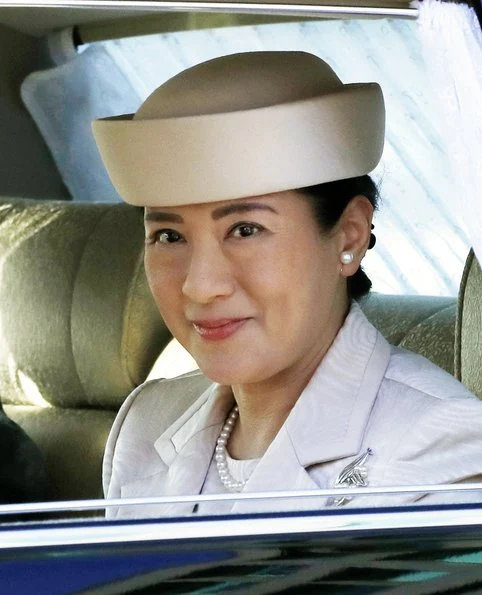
[
  {"x": 468, "y": 334},
  {"x": 78, "y": 329}
]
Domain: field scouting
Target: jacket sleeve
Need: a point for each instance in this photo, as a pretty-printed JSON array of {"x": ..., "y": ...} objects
[
  {"x": 110, "y": 485},
  {"x": 442, "y": 446}
]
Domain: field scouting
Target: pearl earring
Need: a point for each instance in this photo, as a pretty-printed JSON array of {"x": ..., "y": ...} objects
[{"x": 346, "y": 257}]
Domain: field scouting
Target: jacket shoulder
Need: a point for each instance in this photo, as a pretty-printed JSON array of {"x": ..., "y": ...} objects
[
  {"x": 419, "y": 374},
  {"x": 426, "y": 425},
  {"x": 146, "y": 413}
]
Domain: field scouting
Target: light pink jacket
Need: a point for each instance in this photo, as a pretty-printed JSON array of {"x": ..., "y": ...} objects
[{"x": 422, "y": 425}]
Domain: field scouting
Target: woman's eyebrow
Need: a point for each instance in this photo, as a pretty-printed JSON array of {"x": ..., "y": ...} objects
[
  {"x": 241, "y": 208},
  {"x": 163, "y": 217}
]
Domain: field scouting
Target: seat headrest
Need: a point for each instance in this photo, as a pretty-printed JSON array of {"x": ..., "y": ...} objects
[
  {"x": 78, "y": 325},
  {"x": 468, "y": 334}
]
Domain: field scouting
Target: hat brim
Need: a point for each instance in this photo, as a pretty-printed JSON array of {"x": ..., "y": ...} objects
[{"x": 209, "y": 158}]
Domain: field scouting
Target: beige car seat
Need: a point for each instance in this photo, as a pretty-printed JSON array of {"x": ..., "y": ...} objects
[
  {"x": 468, "y": 336},
  {"x": 79, "y": 328}
]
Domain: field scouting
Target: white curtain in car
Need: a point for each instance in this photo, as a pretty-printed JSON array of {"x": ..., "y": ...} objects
[{"x": 452, "y": 41}]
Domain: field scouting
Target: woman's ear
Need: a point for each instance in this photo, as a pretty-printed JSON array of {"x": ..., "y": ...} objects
[{"x": 354, "y": 228}]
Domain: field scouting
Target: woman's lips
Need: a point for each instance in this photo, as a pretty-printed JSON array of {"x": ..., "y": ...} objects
[{"x": 215, "y": 330}]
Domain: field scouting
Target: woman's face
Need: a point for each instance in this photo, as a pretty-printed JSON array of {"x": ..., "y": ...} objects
[{"x": 250, "y": 287}]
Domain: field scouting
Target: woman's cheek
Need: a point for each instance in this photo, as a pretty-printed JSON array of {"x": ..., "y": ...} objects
[{"x": 161, "y": 278}]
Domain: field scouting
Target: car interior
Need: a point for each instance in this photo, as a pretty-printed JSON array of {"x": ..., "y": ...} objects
[{"x": 78, "y": 327}]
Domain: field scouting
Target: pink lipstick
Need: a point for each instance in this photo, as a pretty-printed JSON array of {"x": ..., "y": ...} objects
[{"x": 215, "y": 330}]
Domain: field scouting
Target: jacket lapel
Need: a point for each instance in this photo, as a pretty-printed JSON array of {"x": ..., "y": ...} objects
[
  {"x": 278, "y": 470},
  {"x": 330, "y": 418},
  {"x": 184, "y": 453}
]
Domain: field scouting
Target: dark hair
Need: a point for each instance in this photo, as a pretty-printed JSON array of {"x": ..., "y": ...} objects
[{"x": 328, "y": 202}]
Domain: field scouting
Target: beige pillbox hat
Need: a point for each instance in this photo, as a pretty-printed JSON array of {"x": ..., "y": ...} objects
[{"x": 243, "y": 125}]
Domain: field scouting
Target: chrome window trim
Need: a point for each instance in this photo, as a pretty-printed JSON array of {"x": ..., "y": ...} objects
[
  {"x": 338, "y": 521},
  {"x": 329, "y": 520},
  {"x": 292, "y": 9},
  {"x": 100, "y": 504}
]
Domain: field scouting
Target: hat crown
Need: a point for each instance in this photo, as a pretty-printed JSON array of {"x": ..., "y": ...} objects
[
  {"x": 241, "y": 82},
  {"x": 243, "y": 125}
]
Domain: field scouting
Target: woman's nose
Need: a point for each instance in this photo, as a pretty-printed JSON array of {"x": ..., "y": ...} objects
[{"x": 209, "y": 275}]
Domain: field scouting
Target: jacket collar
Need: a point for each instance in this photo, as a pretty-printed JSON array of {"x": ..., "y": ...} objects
[
  {"x": 185, "y": 450},
  {"x": 330, "y": 417},
  {"x": 327, "y": 423},
  {"x": 203, "y": 419}
]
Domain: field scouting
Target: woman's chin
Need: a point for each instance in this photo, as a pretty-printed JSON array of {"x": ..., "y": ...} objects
[
  {"x": 225, "y": 377},
  {"x": 230, "y": 373}
]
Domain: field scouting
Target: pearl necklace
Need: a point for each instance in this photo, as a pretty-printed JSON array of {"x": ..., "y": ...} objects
[{"x": 225, "y": 476}]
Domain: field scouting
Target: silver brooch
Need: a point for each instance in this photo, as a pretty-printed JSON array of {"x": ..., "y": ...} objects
[{"x": 354, "y": 475}]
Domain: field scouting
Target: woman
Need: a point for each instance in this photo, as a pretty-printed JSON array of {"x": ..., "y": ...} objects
[{"x": 252, "y": 169}]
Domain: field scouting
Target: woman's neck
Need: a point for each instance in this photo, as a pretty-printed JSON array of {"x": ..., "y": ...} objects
[{"x": 264, "y": 407}]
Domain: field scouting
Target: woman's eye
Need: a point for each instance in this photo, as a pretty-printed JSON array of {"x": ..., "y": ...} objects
[
  {"x": 245, "y": 230},
  {"x": 167, "y": 236}
]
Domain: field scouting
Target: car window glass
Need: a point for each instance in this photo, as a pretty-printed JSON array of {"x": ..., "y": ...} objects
[{"x": 420, "y": 246}]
